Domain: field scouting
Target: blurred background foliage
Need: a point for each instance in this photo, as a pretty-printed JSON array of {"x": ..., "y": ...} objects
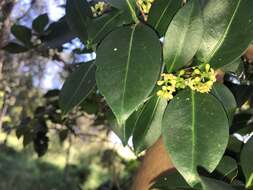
[{"x": 79, "y": 152}]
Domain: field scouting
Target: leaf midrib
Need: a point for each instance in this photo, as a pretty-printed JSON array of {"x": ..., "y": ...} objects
[
  {"x": 179, "y": 50},
  {"x": 106, "y": 24},
  {"x": 230, "y": 171},
  {"x": 163, "y": 12},
  {"x": 79, "y": 13},
  {"x": 127, "y": 69},
  {"x": 222, "y": 39},
  {"x": 152, "y": 115},
  {"x": 193, "y": 125}
]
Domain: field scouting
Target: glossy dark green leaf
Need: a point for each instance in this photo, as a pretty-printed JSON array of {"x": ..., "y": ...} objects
[
  {"x": 127, "y": 6},
  {"x": 212, "y": 184},
  {"x": 228, "y": 31},
  {"x": 161, "y": 14},
  {"x": 13, "y": 47},
  {"x": 234, "y": 66},
  {"x": 77, "y": 14},
  {"x": 148, "y": 125},
  {"x": 227, "y": 99},
  {"x": 227, "y": 168},
  {"x": 126, "y": 132},
  {"x": 58, "y": 33},
  {"x": 39, "y": 24},
  {"x": 22, "y": 33},
  {"x": 124, "y": 4},
  {"x": 77, "y": 86},
  {"x": 130, "y": 125},
  {"x": 171, "y": 180},
  {"x": 89, "y": 107},
  {"x": 128, "y": 65},
  {"x": 234, "y": 146},
  {"x": 241, "y": 120},
  {"x": 183, "y": 36},
  {"x": 195, "y": 132},
  {"x": 242, "y": 92},
  {"x": 100, "y": 27},
  {"x": 119, "y": 4},
  {"x": 246, "y": 161}
]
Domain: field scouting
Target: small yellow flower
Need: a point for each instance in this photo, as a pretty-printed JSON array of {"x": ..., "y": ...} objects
[
  {"x": 201, "y": 80},
  {"x": 145, "y": 5},
  {"x": 160, "y": 83},
  {"x": 207, "y": 67},
  {"x": 196, "y": 71},
  {"x": 181, "y": 73},
  {"x": 98, "y": 9}
]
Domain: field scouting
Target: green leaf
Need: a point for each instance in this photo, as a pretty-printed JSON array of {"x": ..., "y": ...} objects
[
  {"x": 126, "y": 132},
  {"x": 234, "y": 66},
  {"x": 128, "y": 7},
  {"x": 228, "y": 31},
  {"x": 13, "y": 47},
  {"x": 246, "y": 162},
  {"x": 227, "y": 168},
  {"x": 227, "y": 99},
  {"x": 39, "y": 24},
  {"x": 195, "y": 132},
  {"x": 58, "y": 33},
  {"x": 77, "y": 86},
  {"x": 161, "y": 14},
  {"x": 171, "y": 180},
  {"x": 183, "y": 36},
  {"x": 212, "y": 184},
  {"x": 98, "y": 28},
  {"x": 128, "y": 65},
  {"x": 22, "y": 33},
  {"x": 119, "y": 4},
  {"x": 77, "y": 14},
  {"x": 148, "y": 125},
  {"x": 241, "y": 123},
  {"x": 234, "y": 145},
  {"x": 89, "y": 106}
]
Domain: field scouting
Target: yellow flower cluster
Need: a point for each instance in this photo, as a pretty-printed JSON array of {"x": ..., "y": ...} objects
[
  {"x": 199, "y": 79},
  {"x": 145, "y": 5},
  {"x": 202, "y": 79},
  {"x": 98, "y": 9}
]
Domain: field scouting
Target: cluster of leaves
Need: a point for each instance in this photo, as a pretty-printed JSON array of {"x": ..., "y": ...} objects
[
  {"x": 34, "y": 129},
  {"x": 196, "y": 127}
]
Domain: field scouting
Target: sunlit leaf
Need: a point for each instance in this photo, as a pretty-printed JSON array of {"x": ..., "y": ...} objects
[
  {"x": 161, "y": 14},
  {"x": 183, "y": 36},
  {"x": 228, "y": 31},
  {"x": 128, "y": 65},
  {"x": 195, "y": 132}
]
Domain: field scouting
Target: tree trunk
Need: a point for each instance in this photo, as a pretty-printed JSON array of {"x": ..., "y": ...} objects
[{"x": 155, "y": 163}]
